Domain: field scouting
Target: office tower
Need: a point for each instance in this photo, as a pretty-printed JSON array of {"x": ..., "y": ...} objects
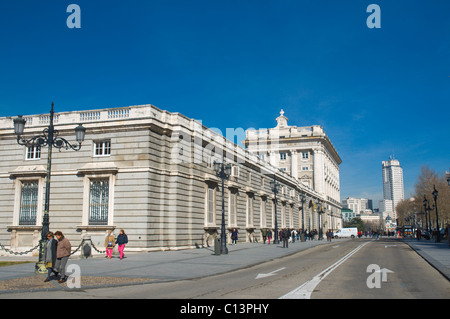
[{"x": 392, "y": 183}]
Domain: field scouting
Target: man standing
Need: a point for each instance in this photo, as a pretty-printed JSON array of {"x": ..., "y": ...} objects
[
  {"x": 264, "y": 234},
  {"x": 285, "y": 234},
  {"x": 63, "y": 250}
]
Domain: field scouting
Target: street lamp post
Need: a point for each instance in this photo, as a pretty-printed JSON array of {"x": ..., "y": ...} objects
[
  {"x": 426, "y": 206},
  {"x": 421, "y": 217},
  {"x": 320, "y": 212},
  {"x": 303, "y": 199},
  {"x": 51, "y": 139},
  {"x": 438, "y": 235},
  {"x": 275, "y": 186},
  {"x": 447, "y": 176},
  {"x": 223, "y": 171}
]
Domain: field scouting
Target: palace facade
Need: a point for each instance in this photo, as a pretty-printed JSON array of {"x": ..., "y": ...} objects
[
  {"x": 151, "y": 173},
  {"x": 307, "y": 154}
]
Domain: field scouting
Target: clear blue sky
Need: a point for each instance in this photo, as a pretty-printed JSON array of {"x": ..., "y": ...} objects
[{"x": 236, "y": 63}]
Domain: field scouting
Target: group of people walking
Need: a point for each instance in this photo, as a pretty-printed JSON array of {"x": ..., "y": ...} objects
[
  {"x": 111, "y": 242},
  {"x": 56, "y": 254},
  {"x": 285, "y": 234},
  {"x": 58, "y": 250}
]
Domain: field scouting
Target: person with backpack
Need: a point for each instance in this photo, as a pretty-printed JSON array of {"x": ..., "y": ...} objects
[
  {"x": 264, "y": 234},
  {"x": 109, "y": 244}
]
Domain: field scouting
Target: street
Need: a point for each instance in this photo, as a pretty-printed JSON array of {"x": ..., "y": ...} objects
[{"x": 363, "y": 269}]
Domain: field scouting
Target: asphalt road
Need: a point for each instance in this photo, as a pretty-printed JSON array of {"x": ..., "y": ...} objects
[{"x": 363, "y": 269}]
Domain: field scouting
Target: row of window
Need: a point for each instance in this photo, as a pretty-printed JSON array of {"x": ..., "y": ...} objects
[
  {"x": 101, "y": 148},
  {"x": 304, "y": 168},
  {"x": 232, "y": 211},
  {"x": 98, "y": 212},
  {"x": 284, "y": 155},
  {"x": 305, "y": 156},
  {"x": 98, "y": 202}
]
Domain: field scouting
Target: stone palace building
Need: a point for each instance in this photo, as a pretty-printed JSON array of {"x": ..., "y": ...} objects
[
  {"x": 307, "y": 154},
  {"x": 151, "y": 173}
]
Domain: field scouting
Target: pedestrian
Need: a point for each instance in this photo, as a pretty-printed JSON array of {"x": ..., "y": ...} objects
[
  {"x": 329, "y": 235},
  {"x": 109, "y": 244},
  {"x": 234, "y": 236},
  {"x": 50, "y": 255},
  {"x": 285, "y": 235},
  {"x": 434, "y": 234},
  {"x": 448, "y": 234},
  {"x": 63, "y": 251},
  {"x": 121, "y": 241},
  {"x": 269, "y": 235},
  {"x": 264, "y": 234}
]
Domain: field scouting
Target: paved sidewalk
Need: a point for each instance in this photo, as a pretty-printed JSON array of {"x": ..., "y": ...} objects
[
  {"x": 138, "y": 268},
  {"x": 436, "y": 254},
  {"x": 163, "y": 266}
]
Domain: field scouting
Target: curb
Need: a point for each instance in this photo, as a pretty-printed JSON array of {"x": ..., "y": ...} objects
[
  {"x": 431, "y": 261},
  {"x": 59, "y": 287}
]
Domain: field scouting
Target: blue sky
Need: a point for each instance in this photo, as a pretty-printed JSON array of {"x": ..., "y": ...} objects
[{"x": 237, "y": 63}]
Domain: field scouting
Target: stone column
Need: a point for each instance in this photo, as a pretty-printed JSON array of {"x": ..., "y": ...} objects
[
  {"x": 294, "y": 164},
  {"x": 318, "y": 170}
]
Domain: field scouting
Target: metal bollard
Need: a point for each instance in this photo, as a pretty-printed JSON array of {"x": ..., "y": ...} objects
[
  {"x": 86, "y": 250},
  {"x": 217, "y": 246}
]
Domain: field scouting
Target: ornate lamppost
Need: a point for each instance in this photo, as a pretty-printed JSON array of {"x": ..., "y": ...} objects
[
  {"x": 447, "y": 176},
  {"x": 51, "y": 139},
  {"x": 435, "y": 195},
  {"x": 320, "y": 212},
  {"x": 275, "y": 186},
  {"x": 223, "y": 171},
  {"x": 303, "y": 199},
  {"x": 426, "y": 211}
]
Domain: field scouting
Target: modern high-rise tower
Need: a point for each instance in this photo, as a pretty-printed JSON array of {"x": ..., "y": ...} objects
[{"x": 393, "y": 190}]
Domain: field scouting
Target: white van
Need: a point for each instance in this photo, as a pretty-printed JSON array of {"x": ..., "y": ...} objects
[{"x": 346, "y": 232}]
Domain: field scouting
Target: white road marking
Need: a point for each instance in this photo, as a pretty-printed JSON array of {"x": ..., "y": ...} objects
[
  {"x": 269, "y": 274},
  {"x": 304, "y": 291}
]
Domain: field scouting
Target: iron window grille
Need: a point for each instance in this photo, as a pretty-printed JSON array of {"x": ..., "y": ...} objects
[
  {"x": 28, "y": 203},
  {"x": 99, "y": 202}
]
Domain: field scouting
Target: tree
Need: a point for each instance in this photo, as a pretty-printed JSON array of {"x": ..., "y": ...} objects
[
  {"x": 356, "y": 222},
  {"x": 426, "y": 181},
  {"x": 406, "y": 208}
]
